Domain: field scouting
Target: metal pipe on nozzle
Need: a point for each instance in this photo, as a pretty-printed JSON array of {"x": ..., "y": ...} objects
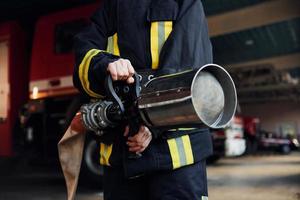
[{"x": 206, "y": 96}]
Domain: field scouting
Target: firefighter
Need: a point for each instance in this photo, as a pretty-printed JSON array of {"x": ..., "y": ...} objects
[{"x": 153, "y": 38}]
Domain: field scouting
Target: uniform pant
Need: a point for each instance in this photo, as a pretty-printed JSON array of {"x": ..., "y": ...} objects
[{"x": 186, "y": 183}]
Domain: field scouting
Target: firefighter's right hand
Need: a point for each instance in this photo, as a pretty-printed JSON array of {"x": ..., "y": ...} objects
[{"x": 121, "y": 70}]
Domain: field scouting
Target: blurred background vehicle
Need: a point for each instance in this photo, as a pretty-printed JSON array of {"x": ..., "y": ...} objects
[{"x": 32, "y": 130}]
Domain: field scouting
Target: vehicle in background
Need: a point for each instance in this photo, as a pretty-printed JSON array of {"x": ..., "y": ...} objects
[
  {"x": 295, "y": 144},
  {"x": 235, "y": 144},
  {"x": 228, "y": 142},
  {"x": 269, "y": 141},
  {"x": 251, "y": 133},
  {"x": 258, "y": 140},
  {"x": 13, "y": 83},
  {"x": 46, "y": 84}
]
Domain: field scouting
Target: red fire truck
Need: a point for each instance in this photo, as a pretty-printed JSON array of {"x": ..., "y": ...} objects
[{"x": 43, "y": 85}]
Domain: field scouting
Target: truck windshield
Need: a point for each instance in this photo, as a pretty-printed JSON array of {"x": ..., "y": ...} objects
[{"x": 64, "y": 35}]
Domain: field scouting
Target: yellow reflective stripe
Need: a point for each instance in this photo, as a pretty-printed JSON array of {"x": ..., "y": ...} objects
[
  {"x": 116, "y": 46},
  {"x": 154, "y": 45},
  {"x": 188, "y": 149},
  {"x": 109, "y": 151},
  {"x": 159, "y": 32},
  {"x": 105, "y": 153},
  {"x": 84, "y": 71},
  {"x": 204, "y": 198},
  {"x": 102, "y": 158},
  {"x": 168, "y": 29},
  {"x": 174, "y": 153},
  {"x": 112, "y": 45},
  {"x": 181, "y": 151}
]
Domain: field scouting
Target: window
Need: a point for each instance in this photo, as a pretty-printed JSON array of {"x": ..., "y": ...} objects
[{"x": 64, "y": 35}]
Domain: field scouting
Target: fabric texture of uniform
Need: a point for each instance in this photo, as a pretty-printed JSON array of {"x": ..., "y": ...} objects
[
  {"x": 161, "y": 36},
  {"x": 185, "y": 183}
]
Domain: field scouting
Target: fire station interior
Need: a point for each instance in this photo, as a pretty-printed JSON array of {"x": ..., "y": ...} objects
[{"x": 256, "y": 156}]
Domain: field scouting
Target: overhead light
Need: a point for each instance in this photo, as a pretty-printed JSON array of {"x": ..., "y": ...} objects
[{"x": 249, "y": 42}]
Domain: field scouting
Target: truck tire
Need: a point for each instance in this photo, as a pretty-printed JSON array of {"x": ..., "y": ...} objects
[
  {"x": 285, "y": 149},
  {"x": 92, "y": 171}
]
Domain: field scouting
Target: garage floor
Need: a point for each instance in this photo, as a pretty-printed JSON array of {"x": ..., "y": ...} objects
[
  {"x": 256, "y": 178},
  {"x": 248, "y": 178}
]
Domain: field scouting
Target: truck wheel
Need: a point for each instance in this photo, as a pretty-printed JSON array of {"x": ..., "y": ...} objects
[
  {"x": 92, "y": 171},
  {"x": 285, "y": 149}
]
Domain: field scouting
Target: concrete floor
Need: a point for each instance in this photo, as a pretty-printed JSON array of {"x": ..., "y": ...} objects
[
  {"x": 248, "y": 178},
  {"x": 256, "y": 178}
]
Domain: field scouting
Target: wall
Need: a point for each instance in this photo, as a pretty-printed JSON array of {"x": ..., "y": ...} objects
[{"x": 275, "y": 114}]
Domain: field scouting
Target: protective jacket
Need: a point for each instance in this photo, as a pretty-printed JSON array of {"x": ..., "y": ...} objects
[{"x": 163, "y": 36}]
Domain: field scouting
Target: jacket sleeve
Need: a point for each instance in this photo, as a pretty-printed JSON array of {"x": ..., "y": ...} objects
[{"x": 90, "y": 55}]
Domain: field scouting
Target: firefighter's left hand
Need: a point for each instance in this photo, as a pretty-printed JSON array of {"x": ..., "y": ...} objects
[{"x": 139, "y": 142}]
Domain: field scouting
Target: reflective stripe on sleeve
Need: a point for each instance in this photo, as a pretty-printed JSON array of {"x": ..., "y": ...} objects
[
  {"x": 174, "y": 153},
  {"x": 105, "y": 153},
  {"x": 84, "y": 71},
  {"x": 204, "y": 198},
  {"x": 188, "y": 149},
  {"x": 181, "y": 151}
]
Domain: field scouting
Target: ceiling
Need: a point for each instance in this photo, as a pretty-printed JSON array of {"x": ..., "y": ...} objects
[
  {"x": 28, "y": 9},
  {"x": 213, "y": 7},
  {"x": 261, "y": 49},
  {"x": 266, "y": 41}
]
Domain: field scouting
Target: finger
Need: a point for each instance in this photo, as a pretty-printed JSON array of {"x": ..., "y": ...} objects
[
  {"x": 142, "y": 129},
  {"x": 126, "y": 131},
  {"x": 130, "y": 68},
  {"x": 135, "y": 149},
  {"x": 132, "y": 144},
  {"x": 144, "y": 136},
  {"x": 137, "y": 138},
  {"x": 139, "y": 148},
  {"x": 130, "y": 80},
  {"x": 120, "y": 70},
  {"x": 112, "y": 69},
  {"x": 145, "y": 145},
  {"x": 141, "y": 136},
  {"x": 125, "y": 67},
  {"x": 146, "y": 133},
  {"x": 147, "y": 142}
]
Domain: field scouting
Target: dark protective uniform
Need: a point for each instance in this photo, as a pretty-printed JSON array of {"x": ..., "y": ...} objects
[{"x": 160, "y": 37}]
